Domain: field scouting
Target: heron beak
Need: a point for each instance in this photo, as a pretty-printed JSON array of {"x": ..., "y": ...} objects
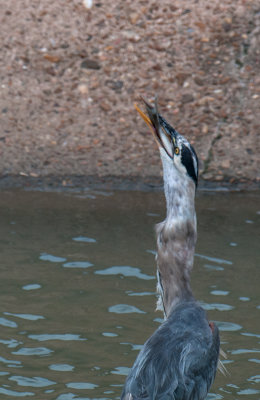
[
  {"x": 144, "y": 116},
  {"x": 162, "y": 137}
]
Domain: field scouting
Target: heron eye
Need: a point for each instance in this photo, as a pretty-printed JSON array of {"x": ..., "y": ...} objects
[{"x": 177, "y": 150}]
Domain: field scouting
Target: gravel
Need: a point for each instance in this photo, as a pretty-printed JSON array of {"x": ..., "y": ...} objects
[{"x": 71, "y": 71}]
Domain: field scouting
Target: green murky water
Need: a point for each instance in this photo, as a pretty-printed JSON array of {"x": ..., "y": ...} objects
[{"x": 77, "y": 289}]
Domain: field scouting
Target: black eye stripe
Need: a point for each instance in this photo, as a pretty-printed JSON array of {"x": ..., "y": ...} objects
[
  {"x": 195, "y": 156},
  {"x": 187, "y": 155}
]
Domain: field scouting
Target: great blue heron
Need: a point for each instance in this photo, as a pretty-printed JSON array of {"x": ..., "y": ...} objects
[{"x": 180, "y": 359}]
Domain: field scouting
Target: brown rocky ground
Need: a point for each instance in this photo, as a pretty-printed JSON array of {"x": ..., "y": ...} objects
[{"x": 70, "y": 76}]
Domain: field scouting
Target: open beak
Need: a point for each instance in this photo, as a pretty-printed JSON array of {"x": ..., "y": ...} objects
[{"x": 153, "y": 120}]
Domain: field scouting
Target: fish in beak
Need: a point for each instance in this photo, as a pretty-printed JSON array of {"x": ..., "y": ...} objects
[{"x": 163, "y": 133}]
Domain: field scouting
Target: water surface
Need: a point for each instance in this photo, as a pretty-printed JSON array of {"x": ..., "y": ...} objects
[{"x": 77, "y": 294}]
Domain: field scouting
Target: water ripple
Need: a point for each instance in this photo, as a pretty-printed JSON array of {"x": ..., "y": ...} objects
[
  {"x": 220, "y": 292},
  {"x": 109, "y": 334},
  {"x": 32, "y": 351},
  {"x": 54, "y": 336},
  {"x": 71, "y": 396},
  {"x": 141, "y": 293},
  {"x": 77, "y": 264},
  {"x": 216, "y": 306},
  {"x": 36, "y": 381},
  {"x": 244, "y": 351},
  {"x": 134, "y": 346},
  {"x": 84, "y": 239},
  {"x": 214, "y": 396},
  {"x": 153, "y": 252},
  {"x": 121, "y": 371},
  {"x": 159, "y": 320},
  {"x": 81, "y": 385},
  {"x": 103, "y": 193},
  {"x": 244, "y": 298},
  {"x": 66, "y": 396},
  {"x": 51, "y": 258},
  {"x": 248, "y": 391},
  {"x": 61, "y": 367},
  {"x": 213, "y": 259},
  {"x": 124, "y": 270},
  {"x": 251, "y": 334},
  {"x": 13, "y": 393},
  {"x": 125, "y": 309},
  {"x": 228, "y": 326},
  {"x": 255, "y": 379},
  {"x": 11, "y": 343},
  {"x": 32, "y": 286},
  {"x": 30, "y": 317},
  {"x": 254, "y": 360},
  {"x": 5, "y": 361},
  {"x": 214, "y": 267},
  {"x": 6, "y": 322}
]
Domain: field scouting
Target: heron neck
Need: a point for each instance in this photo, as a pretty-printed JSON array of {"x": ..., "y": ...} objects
[
  {"x": 176, "y": 239},
  {"x": 179, "y": 192}
]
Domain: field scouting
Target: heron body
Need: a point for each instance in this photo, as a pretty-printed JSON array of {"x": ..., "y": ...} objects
[{"x": 179, "y": 361}]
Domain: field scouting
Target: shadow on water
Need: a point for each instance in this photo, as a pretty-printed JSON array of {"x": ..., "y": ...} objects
[{"x": 77, "y": 294}]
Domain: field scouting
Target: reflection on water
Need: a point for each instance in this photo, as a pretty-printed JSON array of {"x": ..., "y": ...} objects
[
  {"x": 77, "y": 294},
  {"x": 125, "y": 271}
]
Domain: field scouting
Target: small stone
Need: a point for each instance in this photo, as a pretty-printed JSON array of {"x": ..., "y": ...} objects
[
  {"x": 181, "y": 78},
  {"x": 157, "y": 67},
  {"x": 132, "y": 36},
  {"x": 115, "y": 85},
  {"x": 50, "y": 71},
  {"x": 226, "y": 26},
  {"x": 201, "y": 26},
  {"x": 83, "y": 89},
  {"x": 90, "y": 64},
  {"x": 52, "y": 59},
  {"x": 198, "y": 81},
  {"x": 87, "y": 3},
  {"x": 94, "y": 85},
  {"x": 225, "y": 164},
  {"x": 105, "y": 106},
  {"x": 204, "y": 100},
  {"x": 205, "y": 129},
  {"x": 187, "y": 98},
  {"x": 228, "y": 20},
  {"x": 109, "y": 48},
  {"x": 102, "y": 57},
  {"x": 133, "y": 17}
]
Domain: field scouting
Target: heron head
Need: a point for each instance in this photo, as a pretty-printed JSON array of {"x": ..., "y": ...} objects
[{"x": 174, "y": 148}]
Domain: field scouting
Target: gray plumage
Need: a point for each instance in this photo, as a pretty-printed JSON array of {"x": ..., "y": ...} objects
[{"x": 179, "y": 361}]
